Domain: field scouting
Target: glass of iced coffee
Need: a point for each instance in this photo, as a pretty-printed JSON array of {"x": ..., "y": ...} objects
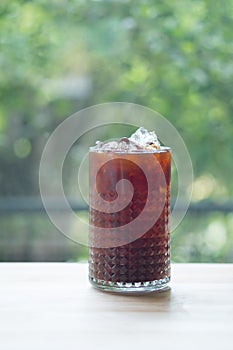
[{"x": 129, "y": 239}]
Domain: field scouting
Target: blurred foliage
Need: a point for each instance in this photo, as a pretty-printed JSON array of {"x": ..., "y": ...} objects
[
  {"x": 59, "y": 56},
  {"x": 203, "y": 238},
  {"x": 34, "y": 238}
]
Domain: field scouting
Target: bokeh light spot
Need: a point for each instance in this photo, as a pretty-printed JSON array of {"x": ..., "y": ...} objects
[{"x": 22, "y": 147}]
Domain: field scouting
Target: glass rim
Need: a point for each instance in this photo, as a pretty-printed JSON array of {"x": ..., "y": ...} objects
[{"x": 162, "y": 149}]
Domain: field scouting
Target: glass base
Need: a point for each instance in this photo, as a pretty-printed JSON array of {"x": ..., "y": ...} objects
[{"x": 131, "y": 287}]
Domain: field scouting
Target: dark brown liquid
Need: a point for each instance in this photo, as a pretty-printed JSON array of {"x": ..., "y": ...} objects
[{"x": 146, "y": 257}]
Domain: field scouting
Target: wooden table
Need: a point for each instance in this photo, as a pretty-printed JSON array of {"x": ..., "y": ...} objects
[{"x": 52, "y": 306}]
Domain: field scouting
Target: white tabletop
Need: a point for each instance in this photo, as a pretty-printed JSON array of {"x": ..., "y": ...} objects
[{"x": 52, "y": 306}]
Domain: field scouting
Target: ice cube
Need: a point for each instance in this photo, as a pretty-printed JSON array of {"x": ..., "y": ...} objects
[
  {"x": 145, "y": 138},
  {"x": 141, "y": 141},
  {"x": 119, "y": 145}
]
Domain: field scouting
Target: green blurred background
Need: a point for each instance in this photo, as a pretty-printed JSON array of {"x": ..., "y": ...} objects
[{"x": 60, "y": 56}]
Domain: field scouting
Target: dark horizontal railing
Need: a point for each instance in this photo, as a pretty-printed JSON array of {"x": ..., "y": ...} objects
[{"x": 13, "y": 205}]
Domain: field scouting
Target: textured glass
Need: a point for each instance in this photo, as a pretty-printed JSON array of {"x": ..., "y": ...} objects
[{"x": 142, "y": 264}]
